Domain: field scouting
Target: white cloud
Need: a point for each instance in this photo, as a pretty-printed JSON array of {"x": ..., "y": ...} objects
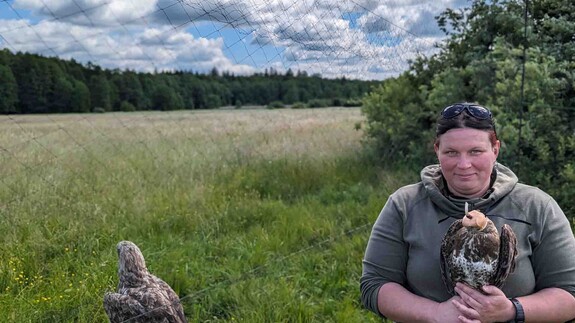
[
  {"x": 91, "y": 12},
  {"x": 146, "y": 50},
  {"x": 359, "y": 38}
]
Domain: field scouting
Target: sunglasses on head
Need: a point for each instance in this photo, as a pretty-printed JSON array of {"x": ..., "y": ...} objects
[{"x": 474, "y": 110}]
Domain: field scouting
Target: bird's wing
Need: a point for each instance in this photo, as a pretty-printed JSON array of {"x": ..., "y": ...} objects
[
  {"x": 507, "y": 255},
  {"x": 446, "y": 249},
  {"x": 121, "y": 307},
  {"x": 175, "y": 307}
]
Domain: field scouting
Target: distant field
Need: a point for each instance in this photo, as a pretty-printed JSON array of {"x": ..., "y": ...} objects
[{"x": 250, "y": 215}]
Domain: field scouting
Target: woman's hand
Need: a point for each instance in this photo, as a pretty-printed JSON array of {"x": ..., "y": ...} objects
[
  {"x": 448, "y": 311},
  {"x": 490, "y": 306}
]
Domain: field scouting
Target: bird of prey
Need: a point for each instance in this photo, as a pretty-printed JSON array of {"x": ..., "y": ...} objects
[
  {"x": 141, "y": 296},
  {"x": 473, "y": 252}
]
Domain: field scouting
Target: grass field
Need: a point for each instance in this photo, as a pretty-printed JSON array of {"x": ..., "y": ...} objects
[{"x": 250, "y": 215}]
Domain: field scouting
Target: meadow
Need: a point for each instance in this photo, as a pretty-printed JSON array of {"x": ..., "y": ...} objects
[{"x": 250, "y": 215}]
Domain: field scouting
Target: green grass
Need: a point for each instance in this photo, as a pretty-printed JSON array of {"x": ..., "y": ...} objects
[{"x": 250, "y": 215}]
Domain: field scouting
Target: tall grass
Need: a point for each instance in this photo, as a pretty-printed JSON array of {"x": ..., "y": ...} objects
[{"x": 251, "y": 216}]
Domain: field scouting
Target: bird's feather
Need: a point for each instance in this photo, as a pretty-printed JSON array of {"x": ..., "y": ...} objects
[
  {"x": 507, "y": 255},
  {"x": 477, "y": 257},
  {"x": 141, "y": 296},
  {"x": 446, "y": 247}
]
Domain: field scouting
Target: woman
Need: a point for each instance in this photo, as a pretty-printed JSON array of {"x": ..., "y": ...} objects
[{"x": 401, "y": 277}]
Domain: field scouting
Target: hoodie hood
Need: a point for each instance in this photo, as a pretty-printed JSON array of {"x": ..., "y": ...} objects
[{"x": 432, "y": 178}]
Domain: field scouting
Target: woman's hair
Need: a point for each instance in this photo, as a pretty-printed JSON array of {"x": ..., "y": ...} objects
[{"x": 465, "y": 120}]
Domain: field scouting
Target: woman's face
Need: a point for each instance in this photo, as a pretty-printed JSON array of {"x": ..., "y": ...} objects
[{"x": 467, "y": 156}]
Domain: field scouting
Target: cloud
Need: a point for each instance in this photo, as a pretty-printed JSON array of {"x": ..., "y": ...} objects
[
  {"x": 228, "y": 12},
  {"x": 147, "y": 49},
  {"x": 90, "y": 12},
  {"x": 365, "y": 38}
]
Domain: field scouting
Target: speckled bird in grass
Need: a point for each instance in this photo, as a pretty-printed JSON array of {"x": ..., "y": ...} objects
[
  {"x": 473, "y": 252},
  {"x": 141, "y": 296}
]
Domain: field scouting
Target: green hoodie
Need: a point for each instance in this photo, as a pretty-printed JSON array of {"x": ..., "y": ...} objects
[{"x": 406, "y": 237}]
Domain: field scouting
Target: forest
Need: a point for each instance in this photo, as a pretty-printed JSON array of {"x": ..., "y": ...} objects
[
  {"x": 516, "y": 58},
  {"x": 30, "y": 83}
]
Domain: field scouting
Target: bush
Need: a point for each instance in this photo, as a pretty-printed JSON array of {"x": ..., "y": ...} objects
[
  {"x": 99, "y": 110},
  {"x": 337, "y": 102},
  {"x": 127, "y": 106},
  {"x": 400, "y": 128},
  {"x": 319, "y": 103},
  {"x": 299, "y": 105},
  {"x": 275, "y": 105},
  {"x": 352, "y": 103},
  {"x": 213, "y": 101}
]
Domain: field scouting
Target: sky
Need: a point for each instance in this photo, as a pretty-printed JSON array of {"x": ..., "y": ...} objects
[{"x": 359, "y": 39}]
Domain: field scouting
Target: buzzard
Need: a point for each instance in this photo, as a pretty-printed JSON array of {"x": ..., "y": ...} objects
[
  {"x": 141, "y": 296},
  {"x": 473, "y": 252}
]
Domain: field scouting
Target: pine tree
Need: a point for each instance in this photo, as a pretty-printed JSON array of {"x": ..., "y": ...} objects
[{"x": 8, "y": 90}]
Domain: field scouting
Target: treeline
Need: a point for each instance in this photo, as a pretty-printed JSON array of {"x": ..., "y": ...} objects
[
  {"x": 31, "y": 83},
  {"x": 528, "y": 82}
]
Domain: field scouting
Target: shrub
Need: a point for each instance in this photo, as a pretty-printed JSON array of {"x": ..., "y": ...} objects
[
  {"x": 127, "y": 106},
  {"x": 319, "y": 103},
  {"x": 275, "y": 105},
  {"x": 352, "y": 103},
  {"x": 400, "y": 128},
  {"x": 299, "y": 105},
  {"x": 337, "y": 102}
]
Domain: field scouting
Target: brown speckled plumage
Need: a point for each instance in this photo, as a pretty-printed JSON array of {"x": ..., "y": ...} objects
[
  {"x": 477, "y": 257},
  {"x": 141, "y": 296}
]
